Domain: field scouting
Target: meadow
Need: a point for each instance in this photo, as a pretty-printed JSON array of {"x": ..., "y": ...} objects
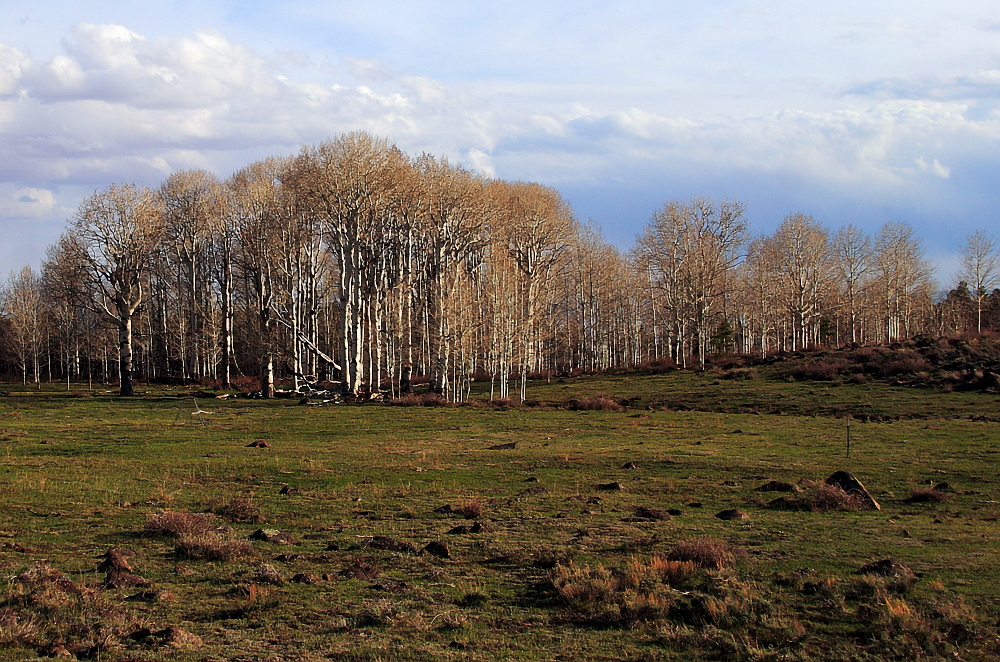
[{"x": 172, "y": 526}]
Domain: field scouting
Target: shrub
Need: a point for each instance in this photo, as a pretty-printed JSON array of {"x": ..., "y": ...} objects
[
  {"x": 740, "y": 374},
  {"x": 473, "y": 509},
  {"x": 212, "y": 547},
  {"x": 422, "y": 400},
  {"x": 595, "y": 403},
  {"x": 178, "y": 523},
  {"x": 246, "y": 384},
  {"x": 819, "y": 370},
  {"x": 832, "y": 497},
  {"x": 927, "y": 495},
  {"x": 705, "y": 552},
  {"x": 239, "y": 509},
  {"x": 906, "y": 365}
]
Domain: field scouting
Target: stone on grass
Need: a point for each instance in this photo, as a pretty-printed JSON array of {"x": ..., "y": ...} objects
[
  {"x": 846, "y": 481},
  {"x": 732, "y": 515}
]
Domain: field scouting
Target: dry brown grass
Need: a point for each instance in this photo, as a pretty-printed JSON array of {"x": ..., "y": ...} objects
[
  {"x": 705, "y": 552},
  {"x": 212, "y": 546},
  {"x": 239, "y": 510},
  {"x": 178, "y": 523}
]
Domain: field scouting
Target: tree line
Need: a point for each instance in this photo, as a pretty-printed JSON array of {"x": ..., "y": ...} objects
[{"x": 356, "y": 263}]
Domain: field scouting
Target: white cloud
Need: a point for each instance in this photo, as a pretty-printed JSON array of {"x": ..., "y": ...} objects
[{"x": 26, "y": 203}]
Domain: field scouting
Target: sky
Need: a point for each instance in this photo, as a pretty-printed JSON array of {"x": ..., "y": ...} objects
[{"x": 852, "y": 112}]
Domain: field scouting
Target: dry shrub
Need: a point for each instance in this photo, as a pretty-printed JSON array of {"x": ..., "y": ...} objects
[
  {"x": 705, "y": 552},
  {"x": 820, "y": 370},
  {"x": 473, "y": 509},
  {"x": 832, "y": 497},
  {"x": 422, "y": 400},
  {"x": 48, "y": 609},
  {"x": 905, "y": 365},
  {"x": 644, "y": 591},
  {"x": 595, "y": 403},
  {"x": 740, "y": 374},
  {"x": 664, "y": 570},
  {"x": 927, "y": 495},
  {"x": 16, "y": 628},
  {"x": 246, "y": 384},
  {"x": 239, "y": 510},
  {"x": 178, "y": 523},
  {"x": 212, "y": 546}
]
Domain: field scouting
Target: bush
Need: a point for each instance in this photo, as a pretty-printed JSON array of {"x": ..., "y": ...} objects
[
  {"x": 595, "y": 403},
  {"x": 705, "y": 552},
  {"x": 422, "y": 400},
  {"x": 832, "y": 497},
  {"x": 927, "y": 495},
  {"x": 239, "y": 510},
  {"x": 178, "y": 523},
  {"x": 212, "y": 547}
]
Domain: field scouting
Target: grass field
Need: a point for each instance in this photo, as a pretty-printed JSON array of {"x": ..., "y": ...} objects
[{"x": 561, "y": 564}]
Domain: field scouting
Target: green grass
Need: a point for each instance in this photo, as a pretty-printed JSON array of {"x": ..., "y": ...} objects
[{"x": 79, "y": 475}]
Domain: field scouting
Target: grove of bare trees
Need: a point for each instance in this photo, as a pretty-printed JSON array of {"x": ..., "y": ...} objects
[{"x": 355, "y": 263}]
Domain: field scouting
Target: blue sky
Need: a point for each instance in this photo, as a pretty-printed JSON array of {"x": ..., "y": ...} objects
[{"x": 852, "y": 112}]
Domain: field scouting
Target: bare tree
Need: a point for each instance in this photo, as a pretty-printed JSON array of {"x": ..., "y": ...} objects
[
  {"x": 691, "y": 250},
  {"x": 903, "y": 279},
  {"x": 980, "y": 269},
  {"x": 105, "y": 256},
  {"x": 802, "y": 250},
  {"x": 852, "y": 251},
  {"x": 21, "y": 303}
]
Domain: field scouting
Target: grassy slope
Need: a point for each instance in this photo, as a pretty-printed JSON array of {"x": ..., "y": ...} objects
[{"x": 373, "y": 470}]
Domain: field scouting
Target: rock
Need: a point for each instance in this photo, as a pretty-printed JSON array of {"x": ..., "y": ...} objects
[
  {"x": 390, "y": 586},
  {"x": 730, "y": 483},
  {"x": 290, "y": 491},
  {"x": 778, "y": 486},
  {"x": 388, "y": 544},
  {"x": 531, "y": 479},
  {"x": 287, "y": 558},
  {"x": 674, "y": 512},
  {"x": 43, "y": 573},
  {"x": 478, "y": 527},
  {"x": 534, "y": 489},
  {"x": 652, "y": 514},
  {"x": 116, "y": 560},
  {"x": 887, "y": 568},
  {"x": 503, "y": 447},
  {"x": 610, "y": 487},
  {"x": 595, "y": 501},
  {"x": 176, "y": 637},
  {"x": 444, "y": 510},
  {"x": 260, "y": 443},
  {"x": 272, "y": 536},
  {"x": 151, "y": 596},
  {"x": 306, "y": 578},
  {"x": 438, "y": 549},
  {"x": 695, "y": 504},
  {"x": 116, "y": 579},
  {"x": 268, "y": 574},
  {"x": 360, "y": 570},
  {"x": 732, "y": 515},
  {"x": 846, "y": 481}
]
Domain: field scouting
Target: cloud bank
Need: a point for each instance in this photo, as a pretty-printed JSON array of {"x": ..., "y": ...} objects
[{"x": 114, "y": 104}]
